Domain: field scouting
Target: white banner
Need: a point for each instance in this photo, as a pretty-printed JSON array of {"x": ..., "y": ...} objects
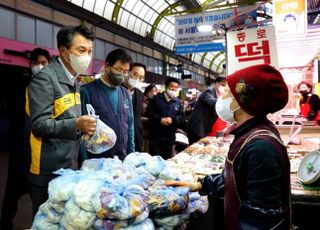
[
  {"x": 190, "y": 40},
  {"x": 290, "y": 16},
  {"x": 251, "y": 47}
]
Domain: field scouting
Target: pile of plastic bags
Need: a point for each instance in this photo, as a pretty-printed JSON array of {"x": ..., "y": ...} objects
[{"x": 110, "y": 194}]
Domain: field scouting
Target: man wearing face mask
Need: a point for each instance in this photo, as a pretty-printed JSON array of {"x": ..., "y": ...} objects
[
  {"x": 39, "y": 58},
  {"x": 131, "y": 81},
  {"x": 112, "y": 102},
  {"x": 309, "y": 103},
  {"x": 17, "y": 184},
  {"x": 256, "y": 178},
  {"x": 204, "y": 114},
  {"x": 54, "y": 112},
  {"x": 165, "y": 113}
]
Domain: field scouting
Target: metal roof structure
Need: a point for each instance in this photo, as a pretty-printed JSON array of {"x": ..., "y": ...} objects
[{"x": 154, "y": 20}]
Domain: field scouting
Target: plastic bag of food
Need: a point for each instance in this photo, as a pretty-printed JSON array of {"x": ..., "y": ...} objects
[
  {"x": 170, "y": 222},
  {"x": 60, "y": 189},
  {"x": 145, "y": 225},
  {"x": 76, "y": 218},
  {"x": 155, "y": 165},
  {"x": 50, "y": 211},
  {"x": 164, "y": 200},
  {"x": 137, "y": 159},
  {"x": 121, "y": 224},
  {"x": 102, "y": 140},
  {"x": 122, "y": 201},
  {"x": 86, "y": 192},
  {"x": 41, "y": 222},
  {"x": 197, "y": 204}
]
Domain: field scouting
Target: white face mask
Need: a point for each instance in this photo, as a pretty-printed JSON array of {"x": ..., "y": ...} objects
[
  {"x": 35, "y": 69},
  {"x": 221, "y": 89},
  {"x": 132, "y": 82},
  {"x": 223, "y": 109},
  {"x": 80, "y": 64},
  {"x": 171, "y": 93}
]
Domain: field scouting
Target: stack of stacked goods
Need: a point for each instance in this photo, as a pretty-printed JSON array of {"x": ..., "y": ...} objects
[
  {"x": 205, "y": 157},
  {"x": 110, "y": 194}
]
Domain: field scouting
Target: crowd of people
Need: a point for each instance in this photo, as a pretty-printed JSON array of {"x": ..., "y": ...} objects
[{"x": 56, "y": 118}]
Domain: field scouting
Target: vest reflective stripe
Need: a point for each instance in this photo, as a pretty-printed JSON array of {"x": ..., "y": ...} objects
[
  {"x": 66, "y": 102},
  {"x": 36, "y": 144},
  {"x": 27, "y": 107}
]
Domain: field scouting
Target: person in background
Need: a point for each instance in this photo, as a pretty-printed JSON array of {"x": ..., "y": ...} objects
[
  {"x": 165, "y": 113},
  {"x": 39, "y": 58},
  {"x": 309, "y": 102},
  {"x": 149, "y": 92},
  {"x": 204, "y": 115},
  {"x": 54, "y": 111},
  {"x": 136, "y": 75},
  {"x": 256, "y": 177},
  {"x": 112, "y": 103},
  {"x": 17, "y": 184}
]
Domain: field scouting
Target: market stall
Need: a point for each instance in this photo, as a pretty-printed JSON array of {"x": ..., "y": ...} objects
[{"x": 110, "y": 194}]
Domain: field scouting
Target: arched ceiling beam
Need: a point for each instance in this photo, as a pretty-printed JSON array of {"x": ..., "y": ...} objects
[
  {"x": 208, "y": 6},
  {"x": 220, "y": 63},
  {"x": 203, "y": 57},
  {"x": 214, "y": 58},
  {"x": 161, "y": 15},
  {"x": 116, "y": 11}
]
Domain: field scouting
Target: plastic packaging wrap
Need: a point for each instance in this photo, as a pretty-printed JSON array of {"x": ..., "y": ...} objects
[
  {"x": 120, "y": 224},
  {"x": 145, "y": 179},
  {"x": 155, "y": 165},
  {"x": 60, "y": 189},
  {"x": 41, "y": 223},
  {"x": 145, "y": 225},
  {"x": 52, "y": 215},
  {"x": 102, "y": 140},
  {"x": 85, "y": 193},
  {"x": 197, "y": 204},
  {"x": 164, "y": 201},
  {"x": 122, "y": 202},
  {"x": 170, "y": 222},
  {"x": 137, "y": 159},
  {"x": 76, "y": 218}
]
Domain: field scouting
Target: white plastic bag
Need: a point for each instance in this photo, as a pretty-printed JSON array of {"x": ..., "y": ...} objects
[{"x": 104, "y": 137}]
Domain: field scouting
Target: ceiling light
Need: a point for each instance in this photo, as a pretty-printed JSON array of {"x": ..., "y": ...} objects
[{"x": 204, "y": 27}]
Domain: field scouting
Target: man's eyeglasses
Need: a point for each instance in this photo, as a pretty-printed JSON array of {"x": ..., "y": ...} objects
[
  {"x": 120, "y": 70},
  {"x": 136, "y": 75}
]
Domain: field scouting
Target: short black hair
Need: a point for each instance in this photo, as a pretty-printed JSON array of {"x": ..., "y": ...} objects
[
  {"x": 139, "y": 65},
  {"x": 35, "y": 53},
  {"x": 171, "y": 79},
  {"x": 118, "y": 55},
  {"x": 208, "y": 80},
  {"x": 66, "y": 34},
  {"x": 149, "y": 88}
]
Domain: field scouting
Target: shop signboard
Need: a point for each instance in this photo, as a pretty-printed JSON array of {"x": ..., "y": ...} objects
[
  {"x": 190, "y": 40},
  {"x": 250, "y": 47},
  {"x": 16, "y": 53},
  {"x": 290, "y": 16}
]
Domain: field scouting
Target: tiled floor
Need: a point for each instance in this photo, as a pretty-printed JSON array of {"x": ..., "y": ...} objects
[{"x": 23, "y": 217}]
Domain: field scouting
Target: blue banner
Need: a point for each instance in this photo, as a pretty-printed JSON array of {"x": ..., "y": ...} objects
[{"x": 200, "y": 48}]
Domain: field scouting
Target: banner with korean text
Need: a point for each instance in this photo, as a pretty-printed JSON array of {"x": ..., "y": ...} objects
[
  {"x": 190, "y": 40},
  {"x": 251, "y": 47}
]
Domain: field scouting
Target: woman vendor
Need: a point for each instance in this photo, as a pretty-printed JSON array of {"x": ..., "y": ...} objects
[
  {"x": 256, "y": 178},
  {"x": 309, "y": 103}
]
